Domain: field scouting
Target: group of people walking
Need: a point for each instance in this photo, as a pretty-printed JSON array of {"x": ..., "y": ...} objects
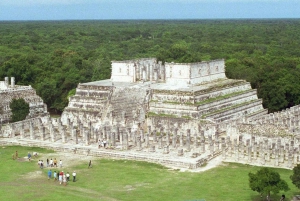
[
  {"x": 102, "y": 143},
  {"x": 53, "y": 163},
  {"x": 62, "y": 177}
]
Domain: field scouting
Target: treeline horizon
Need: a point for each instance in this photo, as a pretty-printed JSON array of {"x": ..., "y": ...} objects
[{"x": 54, "y": 56}]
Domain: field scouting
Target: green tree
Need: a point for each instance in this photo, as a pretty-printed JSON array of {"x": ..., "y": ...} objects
[
  {"x": 266, "y": 181},
  {"x": 19, "y": 109},
  {"x": 295, "y": 177}
]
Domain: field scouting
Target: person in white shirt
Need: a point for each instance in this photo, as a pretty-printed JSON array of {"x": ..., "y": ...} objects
[
  {"x": 51, "y": 162},
  {"x": 60, "y": 164},
  {"x": 74, "y": 176},
  {"x": 68, "y": 176}
]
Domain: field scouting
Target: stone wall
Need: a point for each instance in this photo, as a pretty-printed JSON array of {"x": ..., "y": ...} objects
[{"x": 36, "y": 104}]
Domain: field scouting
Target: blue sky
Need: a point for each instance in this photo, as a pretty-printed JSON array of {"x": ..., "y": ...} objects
[{"x": 146, "y": 9}]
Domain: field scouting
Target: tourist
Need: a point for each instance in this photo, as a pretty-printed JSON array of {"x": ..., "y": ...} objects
[
  {"x": 99, "y": 144},
  {"x": 64, "y": 180},
  {"x": 49, "y": 174},
  {"x": 17, "y": 155},
  {"x": 90, "y": 164},
  {"x": 74, "y": 176},
  {"x": 104, "y": 143},
  {"x": 29, "y": 156},
  {"x": 55, "y": 162},
  {"x": 47, "y": 162},
  {"x": 55, "y": 175},
  {"x": 68, "y": 176},
  {"x": 60, "y": 177},
  {"x": 42, "y": 164},
  {"x": 51, "y": 162},
  {"x": 60, "y": 163}
]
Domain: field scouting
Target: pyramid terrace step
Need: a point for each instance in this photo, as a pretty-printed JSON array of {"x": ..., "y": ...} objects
[{"x": 235, "y": 109}]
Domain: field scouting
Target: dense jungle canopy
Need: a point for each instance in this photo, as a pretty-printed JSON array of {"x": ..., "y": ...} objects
[{"x": 54, "y": 56}]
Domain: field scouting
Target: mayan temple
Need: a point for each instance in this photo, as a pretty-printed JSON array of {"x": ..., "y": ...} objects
[
  {"x": 145, "y": 92},
  {"x": 181, "y": 115}
]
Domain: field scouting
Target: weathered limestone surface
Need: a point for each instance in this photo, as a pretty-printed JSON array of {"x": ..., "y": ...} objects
[{"x": 179, "y": 115}]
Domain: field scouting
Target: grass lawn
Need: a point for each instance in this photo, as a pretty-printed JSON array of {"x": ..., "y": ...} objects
[{"x": 127, "y": 180}]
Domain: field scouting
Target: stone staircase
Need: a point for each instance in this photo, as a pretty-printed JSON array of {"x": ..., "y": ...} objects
[
  {"x": 128, "y": 103},
  {"x": 222, "y": 100}
]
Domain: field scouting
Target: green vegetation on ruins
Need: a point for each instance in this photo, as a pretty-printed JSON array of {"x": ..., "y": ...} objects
[
  {"x": 54, "y": 56},
  {"x": 19, "y": 109},
  {"x": 127, "y": 180}
]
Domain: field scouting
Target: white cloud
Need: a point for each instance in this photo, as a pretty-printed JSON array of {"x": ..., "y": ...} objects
[{"x": 71, "y": 2}]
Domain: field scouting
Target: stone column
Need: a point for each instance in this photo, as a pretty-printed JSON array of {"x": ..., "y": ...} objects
[
  {"x": 296, "y": 153},
  {"x": 149, "y": 130},
  {"x": 75, "y": 136},
  {"x": 223, "y": 151},
  {"x": 147, "y": 140},
  {"x": 43, "y": 134},
  {"x": 118, "y": 133},
  {"x": 287, "y": 148},
  {"x": 104, "y": 132},
  {"x": 134, "y": 138},
  {"x": 211, "y": 148},
  {"x": 155, "y": 75},
  {"x": 144, "y": 75},
  {"x": 290, "y": 160},
  {"x": 230, "y": 149},
  {"x": 252, "y": 140},
  {"x": 167, "y": 138},
  {"x": 236, "y": 151},
  {"x": 154, "y": 136},
  {"x": 121, "y": 137},
  {"x": 52, "y": 133},
  {"x": 73, "y": 133},
  {"x": 125, "y": 135},
  {"x": 160, "y": 142},
  {"x": 94, "y": 134},
  {"x": 12, "y": 82},
  {"x": 31, "y": 129},
  {"x": 278, "y": 144},
  {"x": 262, "y": 157},
  {"x": 128, "y": 134},
  {"x": 249, "y": 153},
  {"x": 195, "y": 141},
  {"x": 174, "y": 139},
  {"x": 276, "y": 157},
  {"x": 113, "y": 139},
  {"x": 63, "y": 135},
  {"x": 181, "y": 139},
  {"x": 81, "y": 130},
  {"x": 6, "y": 81},
  {"x": 87, "y": 137},
  {"x": 71, "y": 129},
  {"x": 139, "y": 145},
  {"x": 188, "y": 142},
  {"x": 142, "y": 136}
]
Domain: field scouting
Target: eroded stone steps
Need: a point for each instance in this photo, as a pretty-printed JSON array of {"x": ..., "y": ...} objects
[{"x": 236, "y": 111}]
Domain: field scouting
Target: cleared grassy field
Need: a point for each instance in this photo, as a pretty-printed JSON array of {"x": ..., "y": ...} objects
[{"x": 126, "y": 180}]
